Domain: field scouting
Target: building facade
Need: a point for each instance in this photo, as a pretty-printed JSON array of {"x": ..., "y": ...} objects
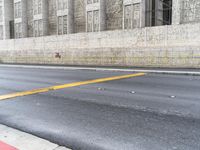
[
  {"x": 34, "y": 18},
  {"x": 155, "y": 33}
]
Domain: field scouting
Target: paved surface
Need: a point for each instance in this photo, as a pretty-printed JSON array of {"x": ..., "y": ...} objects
[
  {"x": 159, "y": 112},
  {"x": 177, "y": 71},
  {"x": 12, "y": 139}
]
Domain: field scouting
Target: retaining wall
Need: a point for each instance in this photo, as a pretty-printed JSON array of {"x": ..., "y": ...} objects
[{"x": 164, "y": 46}]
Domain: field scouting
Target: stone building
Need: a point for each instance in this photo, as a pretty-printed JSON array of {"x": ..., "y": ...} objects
[
  {"x": 55, "y": 18},
  {"x": 33, "y": 18}
]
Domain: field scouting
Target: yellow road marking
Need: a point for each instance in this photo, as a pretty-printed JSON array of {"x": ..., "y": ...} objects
[{"x": 58, "y": 87}]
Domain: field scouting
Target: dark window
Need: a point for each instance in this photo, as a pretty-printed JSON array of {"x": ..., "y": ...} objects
[
  {"x": 167, "y": 12},
  {"x": 158, "y": 12}
]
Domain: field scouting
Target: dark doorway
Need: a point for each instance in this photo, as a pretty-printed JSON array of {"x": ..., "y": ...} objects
[{"x": 12, "y": 31}]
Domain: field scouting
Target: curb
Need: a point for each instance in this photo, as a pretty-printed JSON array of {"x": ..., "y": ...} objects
[
  {"x": 192, "y": 73},
  {"x": 14, "y": 139}
]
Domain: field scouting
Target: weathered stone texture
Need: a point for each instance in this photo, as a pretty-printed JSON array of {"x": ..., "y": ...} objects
[
  {"x": 30, "y": 17},
  {"x": 184, "y": 11},
  {"x": 114, "y": 14},
  {"x": 79, "y": 16},
  {"x": 166, "y": 46},
  {"x": 52, "y": 17},
  {"x": 190, "y": 11},
  {"x": 177, "y": 45}
]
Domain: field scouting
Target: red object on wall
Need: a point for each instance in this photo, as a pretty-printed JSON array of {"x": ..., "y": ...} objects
[{"x": 4, "y": 146}]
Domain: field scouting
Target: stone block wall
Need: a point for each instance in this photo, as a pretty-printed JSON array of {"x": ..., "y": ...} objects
[{"x": 165, "y": 46}]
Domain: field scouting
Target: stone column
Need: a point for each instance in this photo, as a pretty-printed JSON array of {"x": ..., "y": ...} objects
[
  {"x": 102, "y": 15},
  {"x": 142, "y": 13},
  {"x": 176, "y": 11},
  {"x": 148, "y": 12},
  {"x": 1, "y": 21},
  {"x": 158, "y": 13},
  {"x": 8, "y": 19},
  {"x": 22, "y": 20},
  {"x": 45, "y": 16},
  {"x": 70, "y": 25}
]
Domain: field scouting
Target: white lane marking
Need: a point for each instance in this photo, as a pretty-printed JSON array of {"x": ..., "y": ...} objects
[{"x": 105, "y": 69}]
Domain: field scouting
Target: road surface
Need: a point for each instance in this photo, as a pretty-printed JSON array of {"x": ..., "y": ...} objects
[{"x": 149, "y": 112}]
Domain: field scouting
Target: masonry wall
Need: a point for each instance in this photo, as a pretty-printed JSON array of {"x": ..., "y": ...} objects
[
  {"x": 187, "y": 11},
  {"x": 190, "y": 11},
  {"x": 79, "y": 16},
  {"x": 30, "y": 17},
  {"x": 176, "y": 45},
  {"x": 165, "y": 46},
  {"x": 114, "y": 16}
]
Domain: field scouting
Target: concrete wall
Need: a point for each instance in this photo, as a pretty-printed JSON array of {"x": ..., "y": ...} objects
[{"x": 164, "y": 46}]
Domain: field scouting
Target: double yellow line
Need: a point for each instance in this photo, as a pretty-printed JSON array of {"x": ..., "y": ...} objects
[{"x": 58, "y": 87}]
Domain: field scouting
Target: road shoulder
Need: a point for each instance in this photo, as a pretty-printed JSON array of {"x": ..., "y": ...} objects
[
  {"x": 172, "y": 71},
  {"x": 24, "y": 141}
]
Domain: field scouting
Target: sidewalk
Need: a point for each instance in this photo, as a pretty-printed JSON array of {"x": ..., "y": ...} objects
[
  {"x": 11, "y": 139},
  {"x": 176, "y": 71}
]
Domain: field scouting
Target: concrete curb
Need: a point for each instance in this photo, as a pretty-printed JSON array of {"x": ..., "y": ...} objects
[
  {"x": 24, "y": 141},
  {"x": 172, "y": 72}
]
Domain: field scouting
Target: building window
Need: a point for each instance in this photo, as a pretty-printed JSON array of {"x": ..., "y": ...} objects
[
  {"x": 89, "y": 1},
  {"x": 12, "y": 29},
  {"x": 38, "y": 28},
  {"x": 1, "y": 32},
  {"x": 62, "y": 25},
  {"x": 18, "y": 10},
  {"x": 92, "y": 1},
  {"x": 158, "y": 12},
  {"x": 96, "y": 20},
  {"x": 18, "y": 30},
  {"x": 93, "y": 22},
  {"x": 62, "y": 4},
  {"x": 89, "y": 21},
  {"x": 63, "y": 9},
  {"x": 1, "y": 13},
  {"x": 37, "y": 7},
  {"x": 95, "y": 1},
  {"x": 131, "y": 15},
  {"x": 127, "y": 17},
  {"x": 95, "y": 15}
]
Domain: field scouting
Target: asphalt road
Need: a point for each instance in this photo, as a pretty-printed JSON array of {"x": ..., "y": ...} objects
[{"x": 151, "y": 112}]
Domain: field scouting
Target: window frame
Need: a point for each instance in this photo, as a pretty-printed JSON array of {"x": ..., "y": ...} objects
[
  {"x": 62, "y": 25},
  {"x": 18, "y": 9}
]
